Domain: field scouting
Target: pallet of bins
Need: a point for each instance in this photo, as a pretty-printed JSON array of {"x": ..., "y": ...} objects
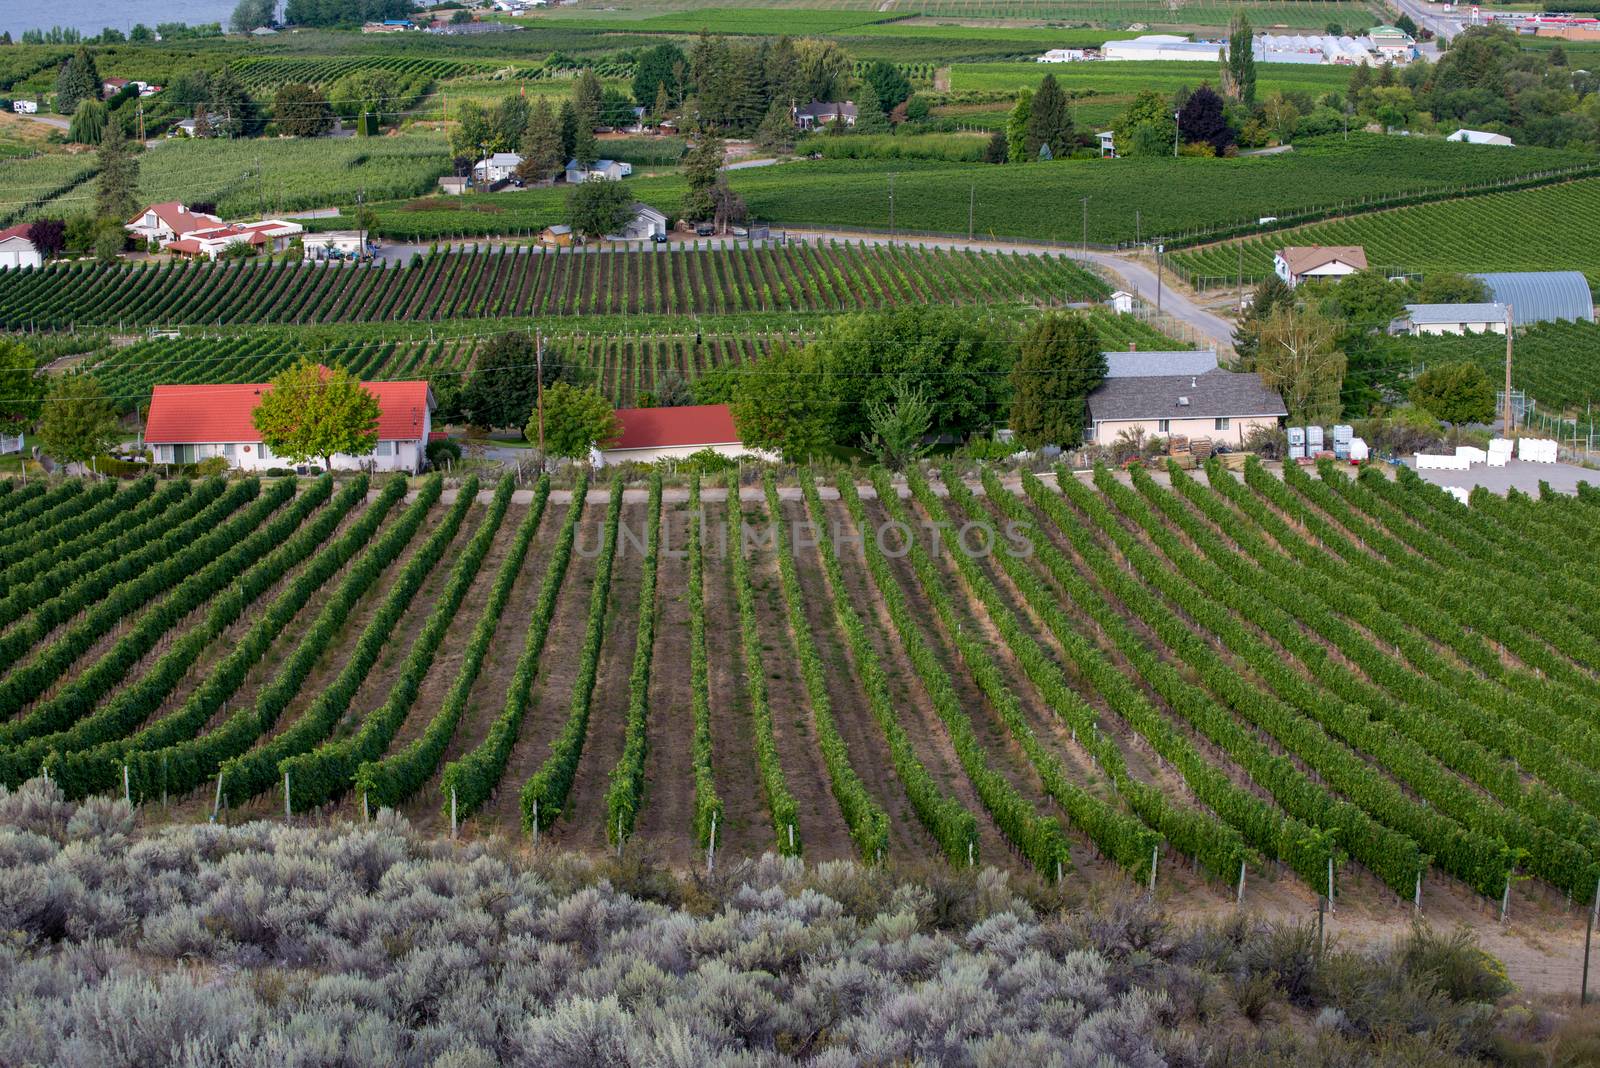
[{"x": 1178, "y": 450}]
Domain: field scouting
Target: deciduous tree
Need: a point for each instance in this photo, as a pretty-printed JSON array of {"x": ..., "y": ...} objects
[
  {"x": 1298, "y": 358},
  {"x": 22, "y": 387},
  {"x": 575, "y": 419},
  {"x": 597, "y": 207},
  {"x": 779, "y": 404},
  {"x": 88, "y": 122},
  {"x": 899, "y": 429},
  {"x": 77, "y": 420},
  {"x": 301, "y": 110},
  {"x": 1017, "y": 127},
  {"x": 1455, "y": 393},
  {"x": 1239, "y": 65},
  {"x": 502, "y": 388},
  {"x": 315, "y": 412}
]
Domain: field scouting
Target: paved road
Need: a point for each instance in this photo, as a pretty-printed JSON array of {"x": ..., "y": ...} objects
[
  {"x": 49, "y": 120},
  {"x": 1518, "y": 474},
  {"x": 1432, "y": 17},
  {"x": 1136, "y": 277}
]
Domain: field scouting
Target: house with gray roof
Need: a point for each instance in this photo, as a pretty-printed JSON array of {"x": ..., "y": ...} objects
[
  {"x": 1136, "y": 364},
  {"x": 1224, "y": 406},
  {"x": 1421, "y": 319},
  {"x": 1541, "y": 296}
]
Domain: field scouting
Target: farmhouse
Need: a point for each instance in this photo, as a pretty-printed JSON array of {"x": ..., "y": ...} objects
[
  {"x": 652, "y": 434},
  {"x": 191, "y": 423},
  {"x": 17, "y": 248},
  {"x": 1481, "y": 137},
  {"x": 166, "y": 222},
  {"x": 269, "y": 235},
  {"x": 1297, "y": 263},
  {"x": 643, "y": 224},
  {"x": 819, "y": 113},
  {"x": 1541, "y": 296},
  {"x": 1423, "y": 319},
  {"x": 495, "y": 168},
  {"x": 1217, "y": 404},
  {"x": 605, "y": 169},
  {"x": 1164, "y": 46}
]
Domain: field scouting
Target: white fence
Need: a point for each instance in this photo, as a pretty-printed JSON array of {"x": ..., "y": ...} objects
[{"x": 9, "y": 444}]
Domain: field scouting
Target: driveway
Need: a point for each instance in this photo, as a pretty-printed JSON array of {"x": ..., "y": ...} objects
[
  {"x": 1133, "y": 275},
  {"x": 1517, "y": 474},
  {"x": 57, "y": 121}
]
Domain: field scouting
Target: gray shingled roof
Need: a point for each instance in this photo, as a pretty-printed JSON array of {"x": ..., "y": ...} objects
[
  {"x": 1211, "y": 395},
  {"x": 1145, "y": 364},
  {"x": 1430, "y": 314}
]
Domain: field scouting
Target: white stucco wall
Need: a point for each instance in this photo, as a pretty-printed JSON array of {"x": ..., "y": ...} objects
[
  {"x": 1458, "y": 328},
  {"x": 253, "y": 456},
  {"x": 1104, "y": 432},
  {"x": 606, "y": 457}
]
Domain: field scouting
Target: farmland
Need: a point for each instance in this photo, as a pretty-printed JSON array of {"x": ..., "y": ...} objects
[
  {"x": 627, "y": 355},
  {"x": 1132, "y": 76},
  {"x": 1486, "y": 233},
  {"x": 1555, "y": 362},
  {"x": 1130, "y": 199},
  {"x": 1213, "y": 702},
  {"x": 515, "y": 282}
]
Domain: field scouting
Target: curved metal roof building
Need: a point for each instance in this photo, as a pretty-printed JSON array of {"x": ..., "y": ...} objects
[{"x": 1541, "y": 296}]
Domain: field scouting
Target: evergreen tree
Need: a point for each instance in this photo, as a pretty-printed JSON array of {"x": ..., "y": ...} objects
[
  {"x": 78, "y": 80},
  {"x": 783, "y": 73},
  {"x": 997, "y": 149},
  {"x": 663, "y": 103},
  {"x": 542, "y": 155},
  {"x": 892, "y": 86},
  {"x": 586, "y": 95},
  {"x": 509, "y": 119},
  {"x": 569, "y": 130},
  {"x": 1239, "y": 68},
  {"x": 1017, "y": 127},
  {"x": 117, "y": 195},
  {"x": 701, "y": 167},
  {"x": 869, "y": 112},
  {"x": 1060, "y": 362},
  {"x": 1049, "y": 122},
  {"x": 1360, "y": 85},
  {"x": 776, "y": 132},
  {"x": 585, "y": 147},
  {"x": 655, "y": 71}
]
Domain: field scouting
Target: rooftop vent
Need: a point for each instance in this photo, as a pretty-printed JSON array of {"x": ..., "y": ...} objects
[{"x": 1183, "y": 402}]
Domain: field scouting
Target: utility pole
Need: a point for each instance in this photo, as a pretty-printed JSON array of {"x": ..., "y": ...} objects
[
  {"x": 1136, "y": 227},
  {"x": 1510, "y": 421},
  {"x": 538, "y": 364},
  {"x": 1588, "y": 935},
  {"x": 1241, "y": 277},
  {"x": 1085, "y": 248},
  {"x": 972, "y": 204},
  {"x": 1175, "y": 115},
  {"x": 891, "y": 209},
  {"x": 1159, "y": 250}
]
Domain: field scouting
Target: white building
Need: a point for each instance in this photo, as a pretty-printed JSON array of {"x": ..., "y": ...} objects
[
  {"x": 1164, "y": 46},
  {"x": 610, "y": 170},
  {"x": 192, "y": 423},
  {"x": 1423, "y": 319},
  {"x": 495, "y": 168},
  {"x": 168, "y": 221},
  {"x": 1481, "y": 137},
  {"x": 1220, "y": 405},
  {"x": 1064, "y": 55},
  {"x": 17, "y": 249},
  {"x": 643, "y": 225},
  {"x": 1327, "y": 49},
  {"x": 1298, "y": 263},
  {"x": 332, "y": 244},
  {"x": 653, "y": 434},
  {"x": 268, "y": 235}
]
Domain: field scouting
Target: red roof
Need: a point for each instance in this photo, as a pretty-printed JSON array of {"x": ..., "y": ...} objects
[
  {"x": 658, "y": 428},
  {"x": 179, "y": 219},
  {"x": 185, "y": 415},
  {"x": 19, "y": 230}
]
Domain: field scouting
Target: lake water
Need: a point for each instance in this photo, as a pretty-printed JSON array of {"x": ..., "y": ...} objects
[{"x": 92, "y": 16}]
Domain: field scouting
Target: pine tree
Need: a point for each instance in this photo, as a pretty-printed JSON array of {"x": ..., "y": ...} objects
[
  {"x": 869, "y": 112},
  {"x": 569, "y": 130},
  {"x": 1059, "y": 364},
  {"x": 79, "y": 80},
  {"x": 585, "y": 148},
  {"x": 776, "y": 132},
  {"x": 542, "y": 155},
  {"x": 701, "y": 167},
  {"x": 117, "y": 196},
  {"x": 1049, "y": 122},
  {"x": 587, "y": 93}
]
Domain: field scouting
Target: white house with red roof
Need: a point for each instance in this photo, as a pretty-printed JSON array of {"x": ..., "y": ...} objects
[
  {"x": 192, "y": 423},
  {"x": 653, "y": 434},
  {"x": 269, "y": 235},
  {"x": 17, "y": 249},
  {"x": 168, "y": 221}
]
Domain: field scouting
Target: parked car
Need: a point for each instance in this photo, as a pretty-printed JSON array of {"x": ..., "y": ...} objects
[
  {"x": 659, "y": 237},
  {"x": 740, "y": 231},
  {"x": 704, "y": 230}
]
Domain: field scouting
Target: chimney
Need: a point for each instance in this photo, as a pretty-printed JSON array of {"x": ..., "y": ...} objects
[
  {"x": 1192, "y": 383},
  {"x": 1133, "y": 346}
]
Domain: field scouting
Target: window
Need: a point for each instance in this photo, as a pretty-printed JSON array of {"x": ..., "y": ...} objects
[
  {"x": 1221, "y": 424},
  {"x": 231, "y": 451},
  {"x": 183, "y": 454},
  {"x": 266, "y": 453},
  {"x": 1163, "y": 426},
  {"x": 385, "y": 448}
]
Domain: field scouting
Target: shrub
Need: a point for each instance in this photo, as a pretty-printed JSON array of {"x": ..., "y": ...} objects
[{"x": 441, "y": 450}]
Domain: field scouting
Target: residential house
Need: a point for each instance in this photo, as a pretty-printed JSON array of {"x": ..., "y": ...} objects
[
  {"x": 556, "y": 236},
  {"x": 453, "y": 185},
  {"x": 1421, "y": 319},
  {"x": 643, "y": 225},
  {"x": 332, "y": 245},
  {"x": 604, "y": 169},
  {"x": 1541, "y": 296},
  {"x": 1221, "y": 405},
  {"x": 268, "y": 235},
  {"x": 818, "y": 114},
  {"x": 1481, "y": 137},
  {"x": 1108, "y": 144},
  {"x": 168, "y": 221},
  {"x": 192, "y": 423},
  {"x": 496, "y": 168},
  {"x": 1297, "y": 263},
  {"x": 1153, "y": 363},
  {"x": 191, "y": 127},
  {"x": 653, "y": 434},
  {"x": 17, "y": 248}
]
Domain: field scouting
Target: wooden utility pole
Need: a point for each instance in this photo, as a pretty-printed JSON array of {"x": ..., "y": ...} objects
[
  {"x": 538, "y": 363},
  {"x": 1510, "y": 421}
]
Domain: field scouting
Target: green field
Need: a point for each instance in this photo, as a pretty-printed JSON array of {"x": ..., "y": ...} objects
[
  {"x": 28, "y": 181},
  {"x": 730, "y": 20},
  {"x": 1545, "y": 229},
  {"x": 1296, "y": 13}
]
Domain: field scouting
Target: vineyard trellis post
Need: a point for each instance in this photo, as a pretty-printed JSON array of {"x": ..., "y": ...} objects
[
  {"x": 711, "y": 845},
  {"x": 1238, "y": 900},
  {"x": 1588, "y": 937}
]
